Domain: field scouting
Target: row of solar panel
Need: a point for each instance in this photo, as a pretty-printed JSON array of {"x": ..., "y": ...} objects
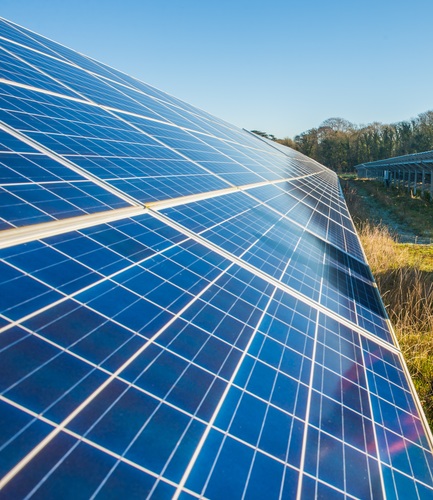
[
  {"x": 106, "y": 95},
  {"x": 126, "y": 163},
  {"x": 93, "y": 76},
  {"x": 415, "y": 160},
  {"x": 42, "y": 189},
  {"x": 270, "y": 243},
  {"x": 205, "y": 314},
  {"x": 103, "y": 144}
]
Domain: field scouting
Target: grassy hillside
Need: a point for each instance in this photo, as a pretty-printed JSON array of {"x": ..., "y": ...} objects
[{"x": 403, "y": 272}]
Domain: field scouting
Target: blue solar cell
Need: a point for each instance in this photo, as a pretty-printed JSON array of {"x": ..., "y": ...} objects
[
  {"x": 198, "y": 149},
  {"x": 17, "y": 70},
  {"x": 139, "y": 483},
  {"x": 70, "y": 381},
  {"x": 20, "y": 434},
  {"x": 84, "y": 332},
  {"x": 78, "y": 454},
  {"x": 247, "y": 158},
  {"x": 27, "y": 203},
  {"x": 21, "y": 294},
  {"x": 236, "y": 458},
  {"x": 15, "y": 33},
  {"x": 52, "y": 268}
]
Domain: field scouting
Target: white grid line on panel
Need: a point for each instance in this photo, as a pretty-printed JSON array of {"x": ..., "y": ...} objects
[
  {"x": 308, "y": 408},
  {"x": 292, "y": 220},
  {"x": 212, "y": 420},
  {"x": 272, "y": 280},
  {"x": 81, "y": 438},
  {"x": 18, "y": 467},
  {"x": 60, "y": 159},
  {"x": 113, "y": 111},
  {"x": 88, "y": 287}
]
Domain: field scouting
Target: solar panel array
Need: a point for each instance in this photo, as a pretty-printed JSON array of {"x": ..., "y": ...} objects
[
  {"x": 415, "y": 159},
  {"x": 186, "y": 310}
]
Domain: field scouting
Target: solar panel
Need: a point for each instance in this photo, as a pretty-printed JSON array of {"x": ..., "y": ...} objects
[{"x": 185, "y": 308}]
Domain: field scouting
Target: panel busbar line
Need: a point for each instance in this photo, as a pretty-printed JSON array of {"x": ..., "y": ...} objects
[{"x": 185, "y": 308}]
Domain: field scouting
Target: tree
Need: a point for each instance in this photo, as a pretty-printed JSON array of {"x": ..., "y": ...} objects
[
  {"x": 290, "y": 143},
  {"x": 307, "y": 142},
  {"x": 340, "y": 145},
  {"x": 338, "y": 125}
]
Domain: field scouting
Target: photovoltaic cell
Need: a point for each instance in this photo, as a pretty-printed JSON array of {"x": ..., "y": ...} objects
[
  {"x": 185, "y": 307},
  {"x": 37, "y": 188},
  {"x": 16, "y": 70}
]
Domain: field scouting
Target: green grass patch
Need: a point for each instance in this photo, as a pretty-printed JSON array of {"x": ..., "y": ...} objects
[
  {"x": 347, "y": 175},
  {"x": 418, "y": 256}
]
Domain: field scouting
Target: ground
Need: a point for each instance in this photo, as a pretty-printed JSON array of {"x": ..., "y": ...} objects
[{"x": 409, "y": 218}]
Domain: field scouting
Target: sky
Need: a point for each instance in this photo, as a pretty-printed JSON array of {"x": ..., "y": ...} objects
[{"x": 279, "y": 66}]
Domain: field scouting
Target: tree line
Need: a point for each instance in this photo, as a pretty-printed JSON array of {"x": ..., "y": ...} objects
[{"x": 340, "y": 145}]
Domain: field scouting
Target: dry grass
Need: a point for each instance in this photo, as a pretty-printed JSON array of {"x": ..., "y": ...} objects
[
  {"x": 382, "y": 252},
  {"x": 405, "y": 280}
]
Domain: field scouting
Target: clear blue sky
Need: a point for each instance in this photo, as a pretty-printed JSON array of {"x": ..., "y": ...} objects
[{"x": 281, "y": 66}]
